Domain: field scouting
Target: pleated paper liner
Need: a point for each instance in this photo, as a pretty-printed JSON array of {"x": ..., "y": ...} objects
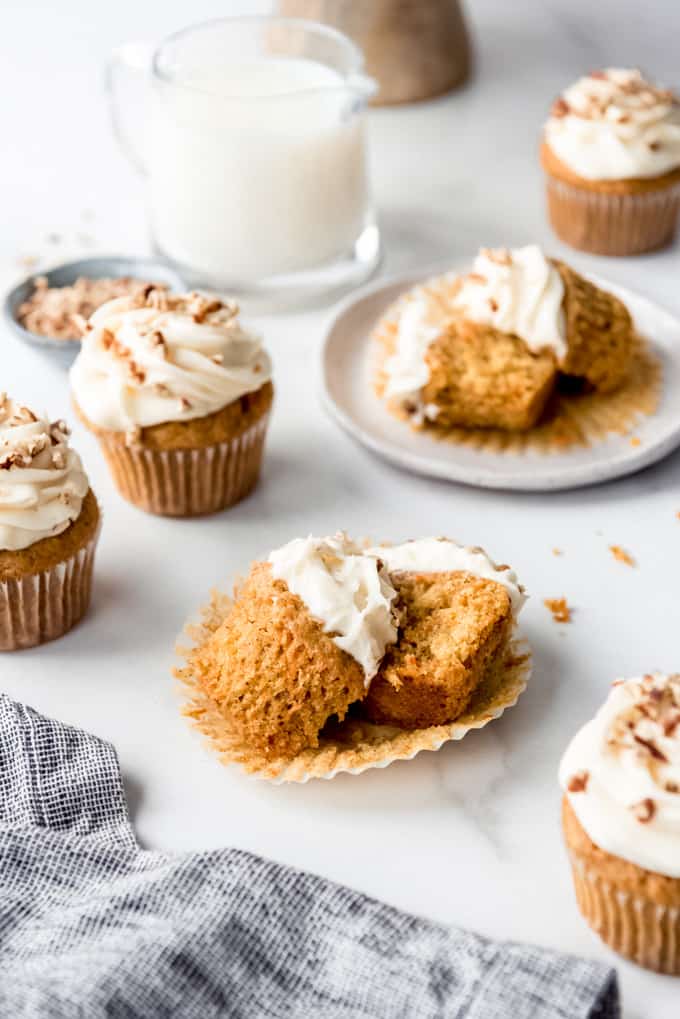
[
  {"x": 644, "y": 931},
  {"x": 353, "y": 745},
  {"x": 187, "y": 482},
  {"x": 40, "y": 607},
  {"x": 570, "y": 420},
  {"x": 612, "y": 224}
]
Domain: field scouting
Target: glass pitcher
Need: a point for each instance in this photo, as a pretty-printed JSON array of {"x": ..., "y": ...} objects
[{"x": 254, "y": 156}]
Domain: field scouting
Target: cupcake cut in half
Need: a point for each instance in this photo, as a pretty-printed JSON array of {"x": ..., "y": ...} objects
[
  {"x": 178, "y": 394},
  {"x": 621, "y": 816},
  {"x": 49, "y": 525},
  {"x": 330, "y": 652},
  {"x": 497, "y": 348},
  {"x": 611, "y": 156}
]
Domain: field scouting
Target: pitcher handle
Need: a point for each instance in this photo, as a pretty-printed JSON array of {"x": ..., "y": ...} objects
[{"x": 135, "y": 58}]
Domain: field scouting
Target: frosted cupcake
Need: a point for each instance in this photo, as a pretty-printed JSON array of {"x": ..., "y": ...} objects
[
  {"x": 178, "y": 394},
  {"x": 49, "y": 524},
  {"x": 611, "y": 153},
  {"x": 621, "y": 816},
  {"x": 337, "y": 657}
]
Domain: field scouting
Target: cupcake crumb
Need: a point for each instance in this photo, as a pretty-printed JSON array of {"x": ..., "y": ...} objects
[
  {"x": 559, "y": 609},
  {"x": 635, "y": 441},
  {"x": 621, "y": 555}
]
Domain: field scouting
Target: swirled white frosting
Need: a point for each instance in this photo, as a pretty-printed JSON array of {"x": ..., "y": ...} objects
[
  {"x": 518, "y": 292},
  {"x": 160, "y": 357},
  {"x": 442, "y": 555},
  {"x": 614, "y": 125},
  {"x": 345, "y": 590},
  {"x": 42, "y": 481},
  {"x": 407, "y": 371},
  {"x": 621, "y": 773}
]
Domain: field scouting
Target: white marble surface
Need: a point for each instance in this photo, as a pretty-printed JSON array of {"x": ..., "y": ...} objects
[{"x": 470, "y": 835}]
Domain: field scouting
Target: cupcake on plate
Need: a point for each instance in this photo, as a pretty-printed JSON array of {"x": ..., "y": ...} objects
[
  {"x": 611, "y": 154},
  {"x": 487, "y": 349},
  {"x": 334, "y": 657},
  {"x": 178, "y": 394},
  {"x": 49, "y": 524},
  {"x": 621, "y": 817}
]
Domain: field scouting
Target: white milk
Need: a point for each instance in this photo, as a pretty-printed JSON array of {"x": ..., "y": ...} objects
[{"x": 248, "y": 180}]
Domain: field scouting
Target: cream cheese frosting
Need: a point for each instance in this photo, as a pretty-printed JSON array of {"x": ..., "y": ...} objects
[
  {"x": 516, "y": 291},
  {"x": 159, "y": 357},
  {"x": 42, "y": 481},
  {"x": 442, "y": 555},
  {"x": 345, "y": 590},
  {"x": 615, "y": 125},
  {"x": 621, "y": 773},
  {"x": 420, "y": 324}
]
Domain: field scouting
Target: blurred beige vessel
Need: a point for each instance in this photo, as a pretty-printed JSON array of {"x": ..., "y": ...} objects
[{"x": 416, "y": 49}]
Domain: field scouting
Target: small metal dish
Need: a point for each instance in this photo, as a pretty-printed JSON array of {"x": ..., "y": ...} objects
[{"x": 65, "y": 351}]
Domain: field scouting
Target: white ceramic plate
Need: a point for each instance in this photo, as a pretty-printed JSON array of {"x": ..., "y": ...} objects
[{"x": 349, "y": 397}]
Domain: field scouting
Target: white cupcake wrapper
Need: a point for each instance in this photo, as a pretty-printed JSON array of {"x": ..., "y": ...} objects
[
  {"x": 614, "y": 224},
  {"x": 188, "y": 482},
  {"x": 40, "y": 607},
  {"x": 357, "y": 745},
  {"x": 643, "y": 931}
]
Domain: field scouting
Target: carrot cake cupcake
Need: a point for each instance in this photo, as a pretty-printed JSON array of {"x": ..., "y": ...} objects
[
  {"x": 325, "y": 636},
  {"x": 178, "y": 394},
  {"x": 611, "y": 154},
  {"x": 486, "y": 350},
  {"x": 49, "y": 524},
  {"x": 621, "y": 817}
]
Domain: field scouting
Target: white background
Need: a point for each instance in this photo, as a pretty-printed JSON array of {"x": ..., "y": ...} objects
[{"x": 470, "y": 835}]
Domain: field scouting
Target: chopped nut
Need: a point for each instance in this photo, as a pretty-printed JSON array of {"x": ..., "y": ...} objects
[
  {"x": 644, "y": 810},
  {"x": 578, "y": 783},
  {"x": 650, "y": 746},
  {"x": 560, "y": 108},
  {"x": 62, "y": 312}
]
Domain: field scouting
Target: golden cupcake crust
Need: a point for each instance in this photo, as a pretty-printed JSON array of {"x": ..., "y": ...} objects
[
  {"x": 599, "y": 332},
  {"x": 197, "y": 433},
  {"x": 619, "y": 873},
  {"x": 628, "y": 186},
  {"x": 273, "y": 672},
  {"x": 452, "y": 627},
  {"x": 48, "y": 552}
]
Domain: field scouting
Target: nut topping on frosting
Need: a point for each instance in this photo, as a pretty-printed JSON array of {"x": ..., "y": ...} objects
[
  {"x": 631, "y": 751},
  {"x": 578, "y": 783},
  {"x": 644, "y": 810},
  {"x": 614, "y": 125},
  {"x": 158, "y": 357},
  {"x": 42, "y": 482}
]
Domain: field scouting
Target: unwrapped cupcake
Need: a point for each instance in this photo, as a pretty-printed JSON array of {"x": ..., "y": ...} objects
[
  {"x": 49, "y": 524},
  {"x": 621, "y": 816},
  {"x": 334, "y": 657},
  {"x": 178, "y": 394},
  {"x": 611, "y": 154}
]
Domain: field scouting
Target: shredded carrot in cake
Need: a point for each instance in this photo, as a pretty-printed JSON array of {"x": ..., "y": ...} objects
[
  {"x": 561, "y": 612},
  {"x": 621, "y": 555},
  {"x": 635, "y": 441}
]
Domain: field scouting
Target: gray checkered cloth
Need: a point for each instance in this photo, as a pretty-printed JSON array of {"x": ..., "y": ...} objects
[{"x": 91, "y": 925}]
